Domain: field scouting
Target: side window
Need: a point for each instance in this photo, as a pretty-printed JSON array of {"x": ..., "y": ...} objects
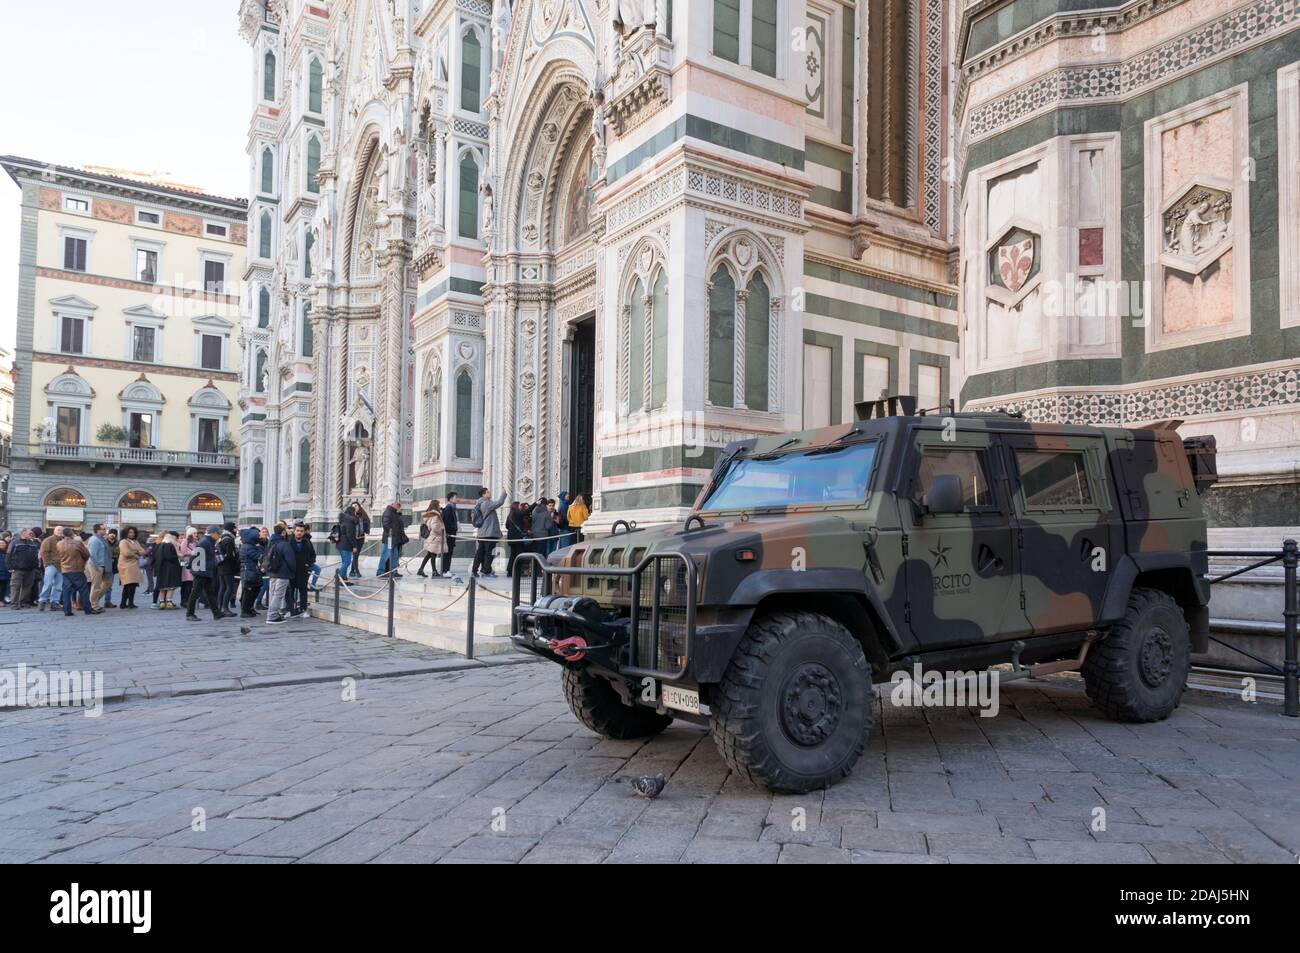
[
  {"x": 966, "y": 463},
  {"x": 1054, "y": 478}
]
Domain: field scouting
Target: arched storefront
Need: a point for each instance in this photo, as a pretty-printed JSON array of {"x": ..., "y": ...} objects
[{"x": 65, "y": 506}]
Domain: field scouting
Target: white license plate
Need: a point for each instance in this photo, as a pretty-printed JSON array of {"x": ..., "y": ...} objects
[{"x": 681, "y": 699}]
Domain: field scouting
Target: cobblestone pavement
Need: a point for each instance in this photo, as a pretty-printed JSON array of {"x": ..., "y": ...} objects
[
  {"x": 148, "y": 653},
  {"x": 487, "y": 764}
]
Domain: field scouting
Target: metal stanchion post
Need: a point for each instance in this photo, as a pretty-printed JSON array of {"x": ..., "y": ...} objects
[
  {"x": 1291, "y": 669},
  {"x": 469, "y": 621},
  {"x": 337, "y": 586},
  {"x": 392, "y": 596}
]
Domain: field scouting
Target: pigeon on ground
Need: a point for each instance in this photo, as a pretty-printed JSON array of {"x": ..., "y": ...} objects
[
  {"x": 649, "y": 786},
  {"x": 245, "y": 630}
]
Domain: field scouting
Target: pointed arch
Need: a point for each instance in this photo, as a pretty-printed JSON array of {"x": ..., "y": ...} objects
[
  {"x": 744, "y": 322},
  {"x": 313, "y": 164},
  {"x": 264, "y": 237},
  {"x": 268, "y": 76},
  {"x": 267, "y": 185},
  {"x": 464, "y": 413},
  {"x": 720, "y": 339},
  {"x": 472, "y": 60},
  {"x": 304, "y": 466},
  {"x": 315, "y": 78},
  {"x": 467, "y": 194}
]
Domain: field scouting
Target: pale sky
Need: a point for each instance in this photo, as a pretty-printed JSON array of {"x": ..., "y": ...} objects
[{"x": 148, "y": 85}]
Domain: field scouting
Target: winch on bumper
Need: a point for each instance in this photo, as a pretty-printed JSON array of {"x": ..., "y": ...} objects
[
  {"x": 642, "y": 624},
  {"x": 571, "y": 628}
]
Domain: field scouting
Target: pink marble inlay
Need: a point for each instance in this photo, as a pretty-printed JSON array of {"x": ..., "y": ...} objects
[
  {"x": 1201, "y": 302},
  {"x": 1092, "y": 246},
  {"x": 1200, "y": 147}
]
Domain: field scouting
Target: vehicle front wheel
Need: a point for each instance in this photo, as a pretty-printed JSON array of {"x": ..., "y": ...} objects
[
  {"x": 795, "y": 706},
  {"x": 1138, "y": 672},
  {"x": 598, "y": 706}
]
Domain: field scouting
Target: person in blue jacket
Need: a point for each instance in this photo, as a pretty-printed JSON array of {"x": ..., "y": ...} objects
[{"x": 250, "y": 576}]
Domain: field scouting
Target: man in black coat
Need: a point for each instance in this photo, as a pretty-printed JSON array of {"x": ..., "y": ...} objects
[
  {"x": 304, "y": 558},
  {"x": 23, "y": 559},
  {"x": 227, "y": 568},
  {"x": 363, "y": 530},
  {"x": 203, "y": 566},
  {"x": 451, "y": 523},
  {"x": 394, "y": 539}
]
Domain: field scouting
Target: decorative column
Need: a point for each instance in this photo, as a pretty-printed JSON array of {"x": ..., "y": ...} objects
[
  {"x": 389, "y": 373},
  {"x": 323, "y": 502},
  {"x": 738, "y": 359}
]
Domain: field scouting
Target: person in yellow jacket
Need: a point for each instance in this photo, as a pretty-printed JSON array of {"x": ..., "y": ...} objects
[{"x": 577, "y": 514}]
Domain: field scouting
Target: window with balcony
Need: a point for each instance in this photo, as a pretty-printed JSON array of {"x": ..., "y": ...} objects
[
  {"x": 209, "y": 435},
  {"x": 67, "y": 425},
  {"x": 140, "y": 430}
]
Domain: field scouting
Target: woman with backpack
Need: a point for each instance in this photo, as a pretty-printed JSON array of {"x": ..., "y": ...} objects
[{"x": 433, "y": 538}]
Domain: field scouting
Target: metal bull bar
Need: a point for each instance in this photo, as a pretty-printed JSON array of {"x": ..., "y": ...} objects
[{"x": 544, "y": 574}]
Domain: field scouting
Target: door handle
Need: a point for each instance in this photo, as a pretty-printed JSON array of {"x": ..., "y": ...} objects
[{"x": 986, "y": 559}]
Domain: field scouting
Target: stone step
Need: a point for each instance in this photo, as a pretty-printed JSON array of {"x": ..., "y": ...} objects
[
  {"x": 448, "y": 640},
  {"x": 485, "y": 624}
]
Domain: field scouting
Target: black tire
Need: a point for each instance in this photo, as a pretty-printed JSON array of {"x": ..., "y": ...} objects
[
  {"x": 1139, "y": 670},
  {"x": 600, "y": 708},
  {"x": 795, "y": 706}
]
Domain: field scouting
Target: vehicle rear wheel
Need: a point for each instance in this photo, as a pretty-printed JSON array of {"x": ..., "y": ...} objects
[
  {"x": 599, "y": 707},
  {"x": 1138, "y": 672},
  {"x": 795, "y": 706}
]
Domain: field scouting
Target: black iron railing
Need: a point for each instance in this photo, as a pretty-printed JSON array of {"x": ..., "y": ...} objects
[{"x": 1289, "y": 557}]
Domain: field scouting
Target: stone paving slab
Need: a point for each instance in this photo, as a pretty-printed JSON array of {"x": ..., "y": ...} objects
[
  {"x": 148, "y": 653},
  {"x": 487, "y": 765}
]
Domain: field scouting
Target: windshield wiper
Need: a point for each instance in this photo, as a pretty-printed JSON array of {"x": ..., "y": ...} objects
[{"x": 775, "y": 451}]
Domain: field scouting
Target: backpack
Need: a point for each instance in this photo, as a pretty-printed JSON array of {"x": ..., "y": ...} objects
[
  {"x": 264, "y": 564},
  {"x": 477, "y": 518},
  {"x": 424, "y": 531}
]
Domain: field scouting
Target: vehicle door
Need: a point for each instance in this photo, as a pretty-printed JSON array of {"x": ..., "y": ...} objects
[
  {"x": 1068, "y": 528},
  {"x": 962, "y": 570}
]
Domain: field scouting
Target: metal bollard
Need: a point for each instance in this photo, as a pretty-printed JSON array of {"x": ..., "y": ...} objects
[
  {"x": 392, "y": 596},
  {"x": 469, "y": 622},
  {"x": 1291, "y": 668},
  {"x": 337, "y": 587}
]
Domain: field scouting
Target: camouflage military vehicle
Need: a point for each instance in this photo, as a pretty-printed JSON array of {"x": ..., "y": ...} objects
[{"x": 816, "y": 563}]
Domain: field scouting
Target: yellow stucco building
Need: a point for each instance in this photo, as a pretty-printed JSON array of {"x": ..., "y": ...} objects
[{"x": 128, "y": 349}]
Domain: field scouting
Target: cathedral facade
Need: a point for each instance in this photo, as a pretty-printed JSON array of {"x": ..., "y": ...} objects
[{"x": 582, "y": 244}]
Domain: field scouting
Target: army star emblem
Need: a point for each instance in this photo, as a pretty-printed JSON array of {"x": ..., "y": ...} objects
[{"x": 940, "y": 554}]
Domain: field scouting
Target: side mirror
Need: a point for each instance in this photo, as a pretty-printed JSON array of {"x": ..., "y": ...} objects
[{"x": 945, "y": 495}]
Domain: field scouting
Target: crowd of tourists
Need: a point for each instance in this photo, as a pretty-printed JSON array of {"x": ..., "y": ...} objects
[
  {"x": 240, "y": 572},
  {"x": 220, "y": 570}
]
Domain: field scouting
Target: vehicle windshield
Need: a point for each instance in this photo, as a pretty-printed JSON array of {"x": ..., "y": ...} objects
[{"x": 819, "y": 476}]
